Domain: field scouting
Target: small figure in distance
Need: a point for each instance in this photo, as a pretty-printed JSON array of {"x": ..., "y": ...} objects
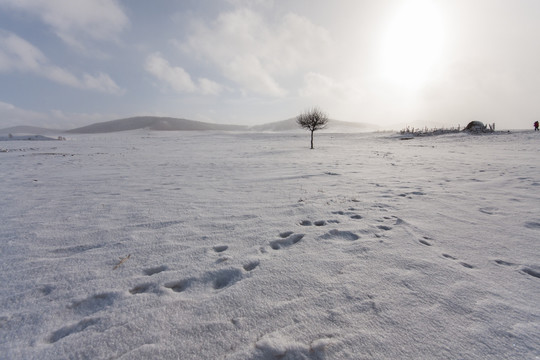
[{"x": 536, "y": 125}]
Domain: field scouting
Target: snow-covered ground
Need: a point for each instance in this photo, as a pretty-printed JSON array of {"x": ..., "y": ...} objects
[{"x": 252, "y": 246}]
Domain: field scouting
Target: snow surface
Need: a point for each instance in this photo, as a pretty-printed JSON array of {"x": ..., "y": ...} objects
[{"x": 252, "y": 246}]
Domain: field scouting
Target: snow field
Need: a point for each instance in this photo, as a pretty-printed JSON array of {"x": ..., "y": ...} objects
[{"x": 246, "y": 245}]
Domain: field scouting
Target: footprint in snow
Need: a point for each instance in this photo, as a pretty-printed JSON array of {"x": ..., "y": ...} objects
[
  {"x": 145, "y": 288},
  {"x": 93, "y": 304},
  {"x": 72, "y": 329},
  {"x": 535, "y": 225},
  {"x": 251, "y": 265},
  {"x": 462, "y": 263},
  {"x": 425, "y": 241},
  {"x": 504, "y": 263},
  {"x": 220, "y": 248},
  {"x": 285, "y": 242},
  {"x": 155, "y": 270},
  {"x": 179, "y": 286},
  {"x": 216, "y": 280},
  {"x": 488, "y": 210},
  {"x": 532, "y": 271},
  {"x": 337, "y": 234}
]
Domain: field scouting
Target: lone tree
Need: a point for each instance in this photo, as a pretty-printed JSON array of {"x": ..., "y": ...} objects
[{"x": 312, "y": 120}]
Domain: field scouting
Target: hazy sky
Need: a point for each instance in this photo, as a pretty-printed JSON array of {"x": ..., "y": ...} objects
[{"x": 68, "y": 63}]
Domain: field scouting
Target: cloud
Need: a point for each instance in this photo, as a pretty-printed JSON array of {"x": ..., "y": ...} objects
[
  {"x": 76, "y": 22},
  {"x": 252, "y": 3},
  {"x": 177, "y": 78},
  {"x": 11, "y": 115},
  {"x": 102, "y": 83},
  {"x": 258, "y": 54},
  {"x": 17, "y": 54},
  {"x": 319, "y": 86}
]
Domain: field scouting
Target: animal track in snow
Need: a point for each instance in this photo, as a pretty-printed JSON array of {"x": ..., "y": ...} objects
[
  {"x": 155, "y": 270},
  {"x": 145, "y": 288},
  {"x": 224, "y": 278},
  {"x": 424, "y": 242},
  {"x": 179, "y": 286},
  {"x": 408, "y": 195},
  {"x": 251, "y": 265},
  {"x": 505, "y": 263},
  {"x": 216, "y": 280},
  {"x": 285, "y": 234},
  {"x": 464, "y": 264},
  {"x": 533, "y": 225},
  {"x": 345, "y": 235},
  {"x": 306, "y": 223},
  {"x": 320, "y": 223},
  {"x": 533, "y": 272},
  {"x": 46, "y": 289},
  {"x": 488, "y": 210},
  {"x": 93, "y": 304},
  {"x": 72, "y": 329},
  {"x": 291, "y": 239},
  {"x": 220, "y": 248}
]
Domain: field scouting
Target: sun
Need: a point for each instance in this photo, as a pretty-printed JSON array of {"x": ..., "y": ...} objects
[{"x": 412, "y": 44}]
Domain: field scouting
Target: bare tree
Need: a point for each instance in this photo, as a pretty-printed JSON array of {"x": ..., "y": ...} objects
[{"x": 312, "y": 120}]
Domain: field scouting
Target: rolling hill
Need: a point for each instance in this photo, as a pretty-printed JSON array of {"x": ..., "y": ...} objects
[
  {"x": 156, "y": 123},
  {"x": 152, "y": 123}
]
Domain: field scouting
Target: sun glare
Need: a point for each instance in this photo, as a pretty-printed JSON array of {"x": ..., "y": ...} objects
[{"x": 412, "y": 44}]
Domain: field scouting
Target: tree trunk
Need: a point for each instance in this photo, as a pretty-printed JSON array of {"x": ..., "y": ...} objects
[{"x": 312, "y": 139}]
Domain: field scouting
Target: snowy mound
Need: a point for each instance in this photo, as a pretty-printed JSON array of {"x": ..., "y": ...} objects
[{"x": 151, "y": 123}]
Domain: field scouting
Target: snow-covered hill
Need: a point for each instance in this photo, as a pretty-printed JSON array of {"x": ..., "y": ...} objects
[{"x": 151, "y": 123}]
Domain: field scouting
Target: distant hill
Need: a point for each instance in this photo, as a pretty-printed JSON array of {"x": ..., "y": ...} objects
[
  {"x": 175, "y": 124},
  {"x": 153, "y": 123},
  {"x": 284, "y": 125},
  {"x": 30, "y": 130},
  {"x": 333, "y": 126}
]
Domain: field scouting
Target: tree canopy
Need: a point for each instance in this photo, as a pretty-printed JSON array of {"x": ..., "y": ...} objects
[{"x": 313, "y": 119}]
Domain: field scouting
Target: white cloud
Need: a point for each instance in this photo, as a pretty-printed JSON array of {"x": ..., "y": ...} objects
[
  {"x": 11, "y": 115},
  {"x": 102, "y": 83},
  {"x": 177, "y": 78},
  {"x": 252, "y": 3},
  {"x": 319, "y": 86},
  {"x": 76, "y": 21},
  {"x": 17, "y": 54},
  {"x": 258, "y": 54},
  {"x": 209, "y": 87}
]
